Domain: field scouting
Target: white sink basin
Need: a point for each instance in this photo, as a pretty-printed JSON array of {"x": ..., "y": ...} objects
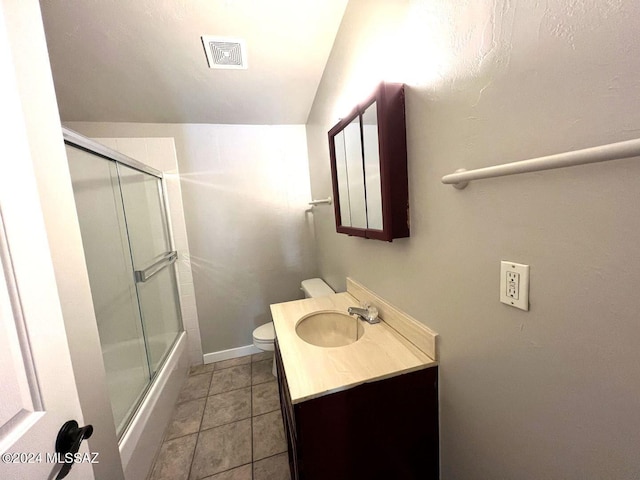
[{"x": 329, "y": 328}]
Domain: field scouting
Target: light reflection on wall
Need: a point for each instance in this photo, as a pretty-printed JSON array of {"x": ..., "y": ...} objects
[{"x": 427, "y": 44}]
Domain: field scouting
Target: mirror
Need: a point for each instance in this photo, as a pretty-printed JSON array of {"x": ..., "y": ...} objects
[
  {"x": 371, "y": 154},
  {"x": 355, "y": 176},
  {"x": 342, "y": 178},
  {"x": 369, "y": 167}
]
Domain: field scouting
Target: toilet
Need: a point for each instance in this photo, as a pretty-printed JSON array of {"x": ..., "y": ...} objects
[{"x": 265, "y": 335}]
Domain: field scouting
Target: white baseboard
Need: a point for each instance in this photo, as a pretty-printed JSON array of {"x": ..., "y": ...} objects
[{"x": 231, "y": 353}]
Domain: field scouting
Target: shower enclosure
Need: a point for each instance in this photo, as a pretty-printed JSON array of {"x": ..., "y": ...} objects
[{"x": 129, "y": 256}]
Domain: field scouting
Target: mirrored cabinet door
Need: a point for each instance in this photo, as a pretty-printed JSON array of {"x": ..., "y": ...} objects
[
  {"x": 355, "y": 175},
  {"x": 371, "y": 154},
  {"x": 343, "y": 178},
  {"x": 369, "y": 167}
]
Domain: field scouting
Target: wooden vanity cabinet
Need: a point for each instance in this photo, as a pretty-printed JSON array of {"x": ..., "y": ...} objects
[{"x": 387, "y": 429}]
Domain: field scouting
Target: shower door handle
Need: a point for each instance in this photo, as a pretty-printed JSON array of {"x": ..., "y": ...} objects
[
  {"x": 68, "y": 442},
  {"x": 142, "y": 276}
]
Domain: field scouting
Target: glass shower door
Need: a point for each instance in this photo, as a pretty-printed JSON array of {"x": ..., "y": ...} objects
[
  {"x": 127, "y": 245},
  {"x": 152, "y": 256},
  {"x": 106, "y": 248}
]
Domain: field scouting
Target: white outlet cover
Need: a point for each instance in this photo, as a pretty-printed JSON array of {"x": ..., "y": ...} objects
[{"x": 514, "y": 284}]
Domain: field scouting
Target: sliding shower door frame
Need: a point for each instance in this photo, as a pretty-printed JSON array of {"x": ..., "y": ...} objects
[
  {"x": 76, "y": 140},
  {"x": 80, "y": 141}
]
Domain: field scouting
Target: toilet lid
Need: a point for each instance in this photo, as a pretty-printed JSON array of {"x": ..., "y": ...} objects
[{"x": 265, "y": 333}]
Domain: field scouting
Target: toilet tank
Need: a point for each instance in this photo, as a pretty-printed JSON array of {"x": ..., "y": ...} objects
[{"x": 315, "y": 287}]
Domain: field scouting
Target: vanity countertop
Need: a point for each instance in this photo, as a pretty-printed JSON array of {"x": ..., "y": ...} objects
[{"x": 380, "y": 353}]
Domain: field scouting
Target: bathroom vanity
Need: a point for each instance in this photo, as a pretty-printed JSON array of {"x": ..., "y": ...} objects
[{"x": 366, "y": 409}]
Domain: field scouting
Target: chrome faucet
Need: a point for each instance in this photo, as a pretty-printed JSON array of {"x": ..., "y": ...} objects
[{"x": 368, "y": 313}]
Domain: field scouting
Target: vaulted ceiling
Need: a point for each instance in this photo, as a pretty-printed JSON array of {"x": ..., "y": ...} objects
[{"x": 143, "y": 60}]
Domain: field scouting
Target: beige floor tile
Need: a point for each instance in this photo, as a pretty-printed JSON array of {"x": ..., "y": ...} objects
[
  {"x": 227, "y": 407},
  {"x": 272, "y": 468},
  {"x": 233, "y": 362},
  {"x": 222, "y": 448},
  {"x": 230, "y": 379},
  {"x": 228, "y": 439},
  {"x": 258, "y": 357},
  {"x": 268, "y": 435},
  {"x": 196, "y": 386},
  {"x": 186, "y": 418},
  {"x": 261, "y": 372},
  {"x": 240, "y": 473},
  {"x": 174, "y": 459},
  {"x": 265, "y": 398},
  {"x": 198, "y": 369}
]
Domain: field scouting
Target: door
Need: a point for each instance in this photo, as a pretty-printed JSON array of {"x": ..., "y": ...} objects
[
  {"x": 107, "y": 254},
  {"x": 152, "y": 256},
  {"x": 37, "y": 389}
]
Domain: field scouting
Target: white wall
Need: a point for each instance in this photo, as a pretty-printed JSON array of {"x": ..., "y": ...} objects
[
  {"x": 245, "y": 191},
  {"x": 549, "y": 393}
]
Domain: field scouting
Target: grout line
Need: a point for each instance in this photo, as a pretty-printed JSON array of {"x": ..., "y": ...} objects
[
  {"x": 274, "y": 455},
  {"x": 193, "y": 455},
  {"x": 227, "y": 391},
  {"x": 260, "y": 383},
  {"x": 250, "y": 418},
  {"x": 264, "y": 413},
  {"x": 224, "y": 424},
  {"x": 179, "y": 402},
  {"x": 191, "y": 400},
  {"x": 181, "y": 436},
  {"x": 217, "y": 366},
  {"x": 207, "y": 370},
  {"x": 206, "y": 401},
  {"x": 229, "y": 469}
]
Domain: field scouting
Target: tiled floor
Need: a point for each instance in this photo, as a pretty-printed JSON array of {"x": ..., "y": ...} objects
[{"x": 226, "y": 426}]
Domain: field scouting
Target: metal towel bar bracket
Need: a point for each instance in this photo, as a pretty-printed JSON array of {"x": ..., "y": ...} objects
[
  {"x": 320, "y": 202},
  {"x": 613, "y": 151}
]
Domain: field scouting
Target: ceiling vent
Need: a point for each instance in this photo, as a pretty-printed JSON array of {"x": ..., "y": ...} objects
[{"x": 228, "y": 53}]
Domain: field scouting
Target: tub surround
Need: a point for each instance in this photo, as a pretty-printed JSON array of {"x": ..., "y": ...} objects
[
  {"x": 142, "y": 439},
  {"x": 397, "y": 345}
]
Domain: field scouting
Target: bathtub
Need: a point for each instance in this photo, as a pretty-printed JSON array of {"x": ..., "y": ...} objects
[{"x": 142, "y": 439}]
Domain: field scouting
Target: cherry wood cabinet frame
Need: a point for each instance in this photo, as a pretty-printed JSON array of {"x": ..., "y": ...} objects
[
  {"x": 381, "y": 430},
  {"x": 392, "y": 145}
]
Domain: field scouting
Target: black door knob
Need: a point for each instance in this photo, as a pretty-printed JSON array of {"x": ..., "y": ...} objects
[{"x": 68, "y": 441}]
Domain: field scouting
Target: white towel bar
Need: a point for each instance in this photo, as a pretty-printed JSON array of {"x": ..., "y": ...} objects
[{"x": 613, "y": 151}]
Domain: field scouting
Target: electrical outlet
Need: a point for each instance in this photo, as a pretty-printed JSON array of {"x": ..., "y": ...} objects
[{"x": 514, "y": 284}]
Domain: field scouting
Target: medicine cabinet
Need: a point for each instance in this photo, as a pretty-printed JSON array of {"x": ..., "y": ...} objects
[{"x": 368, "y": 152}]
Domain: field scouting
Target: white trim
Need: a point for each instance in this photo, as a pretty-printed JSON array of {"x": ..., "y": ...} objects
[
  {"x": 231, "y": 353},
  {"x": 132, "y": 444}
]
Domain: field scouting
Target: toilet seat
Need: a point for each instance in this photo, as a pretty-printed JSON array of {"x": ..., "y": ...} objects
[{"x": 264, "y": 336}]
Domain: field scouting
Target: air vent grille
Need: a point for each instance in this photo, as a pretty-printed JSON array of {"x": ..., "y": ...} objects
[{"x": 227, "y": 53}]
